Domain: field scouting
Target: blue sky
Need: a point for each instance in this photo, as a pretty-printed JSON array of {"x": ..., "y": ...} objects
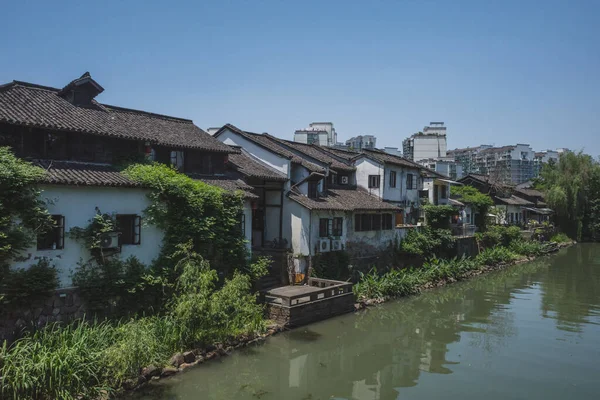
[{"x": 497, "y": 72}]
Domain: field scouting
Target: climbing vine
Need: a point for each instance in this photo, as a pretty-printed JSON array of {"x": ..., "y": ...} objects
[
  {"x": 438, "y": 217},
  {"x": 187, "y": 209}
]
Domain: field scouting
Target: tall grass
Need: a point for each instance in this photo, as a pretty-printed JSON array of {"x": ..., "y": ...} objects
[{"x": 84, "y": 359}]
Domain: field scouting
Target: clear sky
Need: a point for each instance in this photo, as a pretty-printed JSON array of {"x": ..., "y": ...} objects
[{"x": 497, "y": 72}]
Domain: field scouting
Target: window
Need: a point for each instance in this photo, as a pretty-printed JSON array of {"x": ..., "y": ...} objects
[
  {"x": 410, "y": 182},
  {"x": 337, "y": 227},
  {"x": 444, "y": 194},
  {"x": 392, "y": 179},
  {"x": 324, "y": 227},
  {"x": 177, "y": 159},
  {"x": 313, "y": 190},
  {"x": 242, "y": 220},
  {"x": 372, "y": 222},
  {"x": 374, "y": 181},
  {"x": 129, "y": 227},
  {"x": 375, "y": 222},
  {"x": 386, "y": 222},
  {"x": 54, "y": 239}
]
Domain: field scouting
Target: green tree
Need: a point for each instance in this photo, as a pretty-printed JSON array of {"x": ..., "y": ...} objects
[
  {"x": 572, "y": 188},
  {"x": 22, "y": 213},
  {"x": 479, "y": 202}
]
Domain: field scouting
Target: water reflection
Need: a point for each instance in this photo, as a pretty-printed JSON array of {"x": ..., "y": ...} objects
[{"x": 383, "y": 353}]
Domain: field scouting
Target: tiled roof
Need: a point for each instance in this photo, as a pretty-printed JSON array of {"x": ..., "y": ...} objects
[
  {"x": 530, "y": 192},
  {"x": 345, "y": 154},
  {"x": 384, "y": 157},
  {"x": 250, "y": 167},
  {"x": 344, "y": 200},
  {"x": 515, "y": 201},
  {"x": 82, "y": 174},
  {"x": 269, "y": 142},
  {"x": 312, "y": 151},
  {"x": 228, "y": 184},
  {"x": 32, "y": 105}
]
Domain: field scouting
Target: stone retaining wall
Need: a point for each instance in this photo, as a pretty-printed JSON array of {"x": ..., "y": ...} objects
[{"x": 61, "y": 305}]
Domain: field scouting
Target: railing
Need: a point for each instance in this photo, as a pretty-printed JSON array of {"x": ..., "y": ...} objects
[
  {"x": 464, "y": 230},
  {"x": 328, "y": 289}
]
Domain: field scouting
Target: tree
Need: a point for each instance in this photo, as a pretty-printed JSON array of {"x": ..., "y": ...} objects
[
  {"x": 480, "y": 202},
  {"x": 22, "y": 213},
  {"x": 572, "y": 188}
]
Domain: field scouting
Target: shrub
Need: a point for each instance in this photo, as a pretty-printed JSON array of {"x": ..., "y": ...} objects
[
  {"x": 428, "y": 242},
  {"x": 37, "y": 281},
  {"x": 526, "y": 247},
  {"x": 333, "y": 265},
  {"x": 438, "y": 217},
  {"x": 560, "y": 238},
  {"x": 496, "y": 255},
  {"x": 497, "y": 235}
]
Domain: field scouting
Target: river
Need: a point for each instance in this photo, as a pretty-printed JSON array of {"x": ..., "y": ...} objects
[{"x": 529, "y": 332}]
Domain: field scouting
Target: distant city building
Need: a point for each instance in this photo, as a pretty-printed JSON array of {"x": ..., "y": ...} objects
[
  {"x": 393, "y": 151},
  {"x": 362, "y": 142},
  {"x": 429, "y": 144},
  {"x": 544, "y": 157},
  {"x": 512, "y": 164},
  {"x": 319, "y": 133},
  {"x": 445, "y": 166}
]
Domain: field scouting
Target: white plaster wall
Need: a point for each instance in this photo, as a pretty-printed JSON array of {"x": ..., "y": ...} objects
[
  {"x": 316, "y": 216},
  {"x": 379, "y": 239},
  {"x": 77, "y": 205},
  {"x": 366, "y": 167},
  {"x": 248, "y": 227},
  {"x": 300, "y": 228},
  {"x": 279, "y": 163},
  {"x": 298, "y": 173}
]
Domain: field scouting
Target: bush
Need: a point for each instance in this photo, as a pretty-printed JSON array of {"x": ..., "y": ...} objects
[
  {"x": 496, "y": 255},
  {"x": 438, "y": 217},
  {"x": 497, "y": 235},
  {"x": 560, "y": 238},
  {"x": 37, "y": 281},
  {"x": 333, "y": 265},
  {"x": 428, "y": 242},
  {"x": 527, "y": 247}
]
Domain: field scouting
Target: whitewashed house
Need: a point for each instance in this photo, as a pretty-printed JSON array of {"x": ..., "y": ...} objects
[{"x": 77, "y": 140}]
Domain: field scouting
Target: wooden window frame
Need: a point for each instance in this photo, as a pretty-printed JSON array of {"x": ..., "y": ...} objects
[
  {"x": 134, "y": 238},
  {"x": 376, "y": 181},
  {"x": 313, "y": 190},
  {"x": 410, "y": 182},
  {"x": 337, "y": 228},
  {"x": 324, "y": 227},
  {"x": 392, "y": 179},
  {"x": 386, "y": 222},
  {"x": 57, "y": 232}
]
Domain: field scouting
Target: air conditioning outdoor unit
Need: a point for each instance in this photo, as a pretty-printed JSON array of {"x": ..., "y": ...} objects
[
  {"x": 324, "y": 245},
  {"x": 110, "y": 241},
  {"x": 344, "y": 180},
  {"x": 336, "y": 245}
]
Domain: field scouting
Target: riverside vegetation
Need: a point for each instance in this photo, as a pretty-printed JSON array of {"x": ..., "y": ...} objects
[{"x": 201, "y": 283}]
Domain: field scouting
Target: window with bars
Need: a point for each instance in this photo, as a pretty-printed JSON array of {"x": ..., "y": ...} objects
[
  {"x": 324, "y": 227},
  {"x": 54, "y": 239},
  {"x": 410, "y": 182},
  {"x": 372, "y": 222},
  {"x": 386, "y": 222},
  {"x": 374, "y": 181},
  {"x": 313, "y": 190},
  {"x": 242, "y": 220},
  {"x": 338, "y": 229},
  {"x": 392, "y": 179},
  {"x": 130, "y": 229},
  {"x": 177, "y": 159}
]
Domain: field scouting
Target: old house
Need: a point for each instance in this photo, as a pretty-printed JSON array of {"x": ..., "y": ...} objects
[{"x": 77, "y": 140}]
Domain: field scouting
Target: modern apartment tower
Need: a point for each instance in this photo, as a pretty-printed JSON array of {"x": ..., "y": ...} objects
[
  {"x": 362, "y": 142},
  {"x": 319, "y": 133},
  {"x": 429, "y": 144}
]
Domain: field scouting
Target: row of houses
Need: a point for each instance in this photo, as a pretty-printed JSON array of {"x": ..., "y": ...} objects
[{"x": 302, "y": 197}]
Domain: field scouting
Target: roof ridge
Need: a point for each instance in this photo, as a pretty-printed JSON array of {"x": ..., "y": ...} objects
[
  {"x": 133, "y": 110},
  {"x": 32, "y": 86}
]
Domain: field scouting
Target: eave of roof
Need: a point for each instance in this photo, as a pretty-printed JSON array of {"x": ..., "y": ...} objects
[{"x": 343, "y": 200}]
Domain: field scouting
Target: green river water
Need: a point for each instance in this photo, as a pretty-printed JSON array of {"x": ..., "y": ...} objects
[{"x": 529, "y": 332}]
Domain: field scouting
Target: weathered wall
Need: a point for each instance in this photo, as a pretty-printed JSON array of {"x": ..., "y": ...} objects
[
  {"x": 466, "y": 246},
  {"x": 366, "y": 167},
  {"x": 77, "y": 205},
  {"x": 311, "y": 312}
]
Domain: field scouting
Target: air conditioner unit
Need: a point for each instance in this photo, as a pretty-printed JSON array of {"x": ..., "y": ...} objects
[
  {"x": 345, "y": 180},
  {"x": 110, "y": 241},
  {"x": 336, "y": 245},
  {"x": 324, "y": 245}
]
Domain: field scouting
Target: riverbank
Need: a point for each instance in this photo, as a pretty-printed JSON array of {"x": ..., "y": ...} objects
[{"x": 442, "y": 269}]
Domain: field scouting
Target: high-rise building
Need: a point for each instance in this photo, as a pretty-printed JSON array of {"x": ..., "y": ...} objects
[
  {"x": 429, "y": 144},
  {"x": 544, "y": 157},
  {"x": 445, "y": 166},
  {"x": 361, "y": 142},
  {"x": 320, "y": 133}
]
